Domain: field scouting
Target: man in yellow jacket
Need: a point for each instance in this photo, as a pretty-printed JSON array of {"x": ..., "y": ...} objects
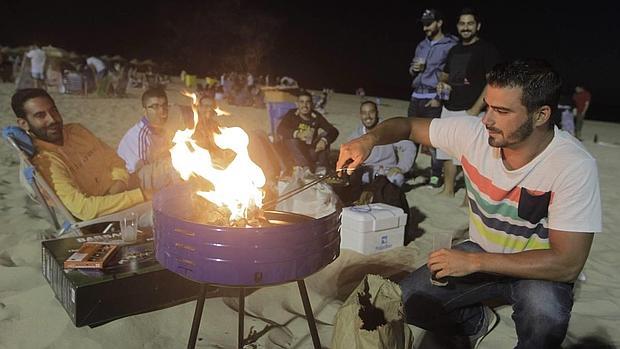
[{"x": 86, "y": 174}]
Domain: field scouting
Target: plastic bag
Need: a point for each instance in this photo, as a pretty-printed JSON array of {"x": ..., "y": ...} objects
[{"x": 372, "y": 317}]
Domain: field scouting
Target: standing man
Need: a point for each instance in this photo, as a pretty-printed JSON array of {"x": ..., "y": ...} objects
[
  {"x": 534, "y": 206},
  {"x": 306, "y": 134},
  {"x": 37, "y": 65},
  {"x": 581, "y": 98},
  {"x": 428, "y": 61},
  {"x": 464, "y": 78}
]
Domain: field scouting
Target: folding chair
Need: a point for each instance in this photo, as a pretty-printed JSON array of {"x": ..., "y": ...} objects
[{"x": 39, "y": 190}]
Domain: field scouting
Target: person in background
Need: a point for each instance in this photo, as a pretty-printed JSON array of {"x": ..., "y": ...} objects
[
  {"x": 306, "y": 135},
  {"x": 390, "y": 160},
  {"x": 428, "y": 61},
  {"x": 37, "y": 65},
  {"x": 147, "y": 141},
  {"x": 581, "y": 98},
  {"x": 463, "y": 79}
]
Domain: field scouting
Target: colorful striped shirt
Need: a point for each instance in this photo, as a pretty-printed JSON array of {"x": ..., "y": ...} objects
[{"x": 513, "y": 210}]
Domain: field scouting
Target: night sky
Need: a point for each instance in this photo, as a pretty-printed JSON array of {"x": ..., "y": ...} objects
[{"x": 341, "y": 45}]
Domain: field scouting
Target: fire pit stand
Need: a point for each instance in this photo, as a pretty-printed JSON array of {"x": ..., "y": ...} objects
[
  {"x": 291, "y": 248},
  {"x": 240, "y": 340}
]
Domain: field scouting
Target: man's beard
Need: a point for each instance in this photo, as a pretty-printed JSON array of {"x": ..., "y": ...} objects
[
  {"x": 45, "y": 133},
  {"x": 519, "y": 135}
]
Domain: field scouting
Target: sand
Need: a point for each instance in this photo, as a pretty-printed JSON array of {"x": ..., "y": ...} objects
[{"x": 31, "y": 317}]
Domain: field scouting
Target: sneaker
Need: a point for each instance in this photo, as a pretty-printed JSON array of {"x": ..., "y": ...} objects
[
  {"x": 434, "y": 182},
  {"x": 489, "y": 322}
]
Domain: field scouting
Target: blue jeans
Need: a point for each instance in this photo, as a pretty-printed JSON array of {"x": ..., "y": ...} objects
[{"x": 541, "y": 309}]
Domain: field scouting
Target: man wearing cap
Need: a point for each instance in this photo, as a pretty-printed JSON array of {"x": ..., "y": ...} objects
[
  {"x": 428, "y": 61},
  {"x": 464, "y": 77}
]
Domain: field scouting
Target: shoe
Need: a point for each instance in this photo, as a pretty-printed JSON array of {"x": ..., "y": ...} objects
[
  {"x": 434, "y": 182},
  {"x": 489, "y": 322}
]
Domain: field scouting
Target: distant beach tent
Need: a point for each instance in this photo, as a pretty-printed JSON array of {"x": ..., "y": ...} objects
[
  {"x": 56, "y": 52},
  {"x": 118, "y": 58},
  {"x": 148, "y": 63}
]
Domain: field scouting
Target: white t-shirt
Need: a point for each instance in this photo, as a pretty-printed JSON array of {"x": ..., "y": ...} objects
[
  {"x": 37, "y": 60},
  {"x": 96, "y": 62},
  {"x": 512, "y": 210}
]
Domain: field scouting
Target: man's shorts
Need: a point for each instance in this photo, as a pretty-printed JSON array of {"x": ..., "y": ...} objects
[
  {"x": 37, "y": 75},
  {"x": 445, "y": 113}
]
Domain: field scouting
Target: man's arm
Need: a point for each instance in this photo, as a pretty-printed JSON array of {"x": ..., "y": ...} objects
[
  {"x": 562, "y": 262},
  {"x": 477, "y": 107},
  {"x": 78, "y": 203},
  {"x": 392, "y": 130}
]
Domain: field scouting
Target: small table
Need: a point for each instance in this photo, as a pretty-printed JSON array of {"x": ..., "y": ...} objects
[{"x": 133, "y": 282}]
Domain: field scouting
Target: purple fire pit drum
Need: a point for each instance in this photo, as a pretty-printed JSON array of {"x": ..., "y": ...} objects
[{"x": 295, "y": 247}]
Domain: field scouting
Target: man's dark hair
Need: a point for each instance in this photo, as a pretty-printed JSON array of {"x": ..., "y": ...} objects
[
  {"x": 156, "y": 91},
  {"x": 471, "y": 11},
  {"x": 369, "y": 102},
  {"x": 304, "y": 93},
  {"x": 22, "y": 96},
  {"x": 539, "y": 82}
]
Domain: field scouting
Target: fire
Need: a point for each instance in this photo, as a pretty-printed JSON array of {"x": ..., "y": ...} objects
[
  {"x": 220, "y": 112},
  {"x": 236, "y": 187}
]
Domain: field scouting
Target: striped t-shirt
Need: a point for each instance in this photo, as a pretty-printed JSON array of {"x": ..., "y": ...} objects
[
  {"x": 513, "y": 210},
  {"x": 140, "y": 145}
]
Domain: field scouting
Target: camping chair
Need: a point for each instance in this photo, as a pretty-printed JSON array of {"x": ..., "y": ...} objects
[{"x": 39, "y": 190}]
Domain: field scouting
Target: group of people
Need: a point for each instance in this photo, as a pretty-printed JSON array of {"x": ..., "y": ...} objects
[
  {"x": 532, "y": 189},
  {"x": 449, "y": 76},
  {"x": 75, "y": 74}
]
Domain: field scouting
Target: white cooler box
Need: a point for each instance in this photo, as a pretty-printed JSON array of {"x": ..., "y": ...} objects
[{"x": 372, "y": 228}]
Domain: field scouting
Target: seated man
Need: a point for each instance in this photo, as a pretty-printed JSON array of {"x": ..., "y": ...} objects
[
  {"x": 390, "y": 160},
  {"x": 306, "y": 134},
  {"x": 534, "y": 208},
  {"x": 147, "y": 141},
  {"x": 86, "y": 174}
]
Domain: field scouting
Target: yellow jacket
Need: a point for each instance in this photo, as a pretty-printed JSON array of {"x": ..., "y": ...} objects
[{"x": 81, "y": 172}]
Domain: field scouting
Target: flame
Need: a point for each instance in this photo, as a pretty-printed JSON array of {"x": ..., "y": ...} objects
[
  {"x": 221, "y": 112},
  {"x": 238, "y": 186}
]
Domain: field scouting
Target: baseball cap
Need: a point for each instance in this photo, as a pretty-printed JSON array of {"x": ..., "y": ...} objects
[{"x": 430, "y": 15}]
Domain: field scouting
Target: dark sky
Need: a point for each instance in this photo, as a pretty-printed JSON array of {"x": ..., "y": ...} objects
[{"x": 334, "y": 44}]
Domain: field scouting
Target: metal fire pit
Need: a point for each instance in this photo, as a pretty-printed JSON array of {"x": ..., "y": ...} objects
[{"x": 290, "y": 249}]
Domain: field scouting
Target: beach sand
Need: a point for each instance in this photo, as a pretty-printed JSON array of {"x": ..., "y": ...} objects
[{"x": 31, "y": 317}]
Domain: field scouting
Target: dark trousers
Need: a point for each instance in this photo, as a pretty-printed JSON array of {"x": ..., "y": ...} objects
[
  {"x": 417, "y": 108},
  {"x": 302, "y": 154},
  {"x": 541, "y": 309}
]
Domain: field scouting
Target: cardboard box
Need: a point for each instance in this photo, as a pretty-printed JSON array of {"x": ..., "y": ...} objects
[
  {"x": 132, "y": 283},
  {"x": 372, "y": 228}
]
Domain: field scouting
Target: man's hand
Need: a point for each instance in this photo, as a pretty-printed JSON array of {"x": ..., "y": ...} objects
[
  {"x": 456, "y": 263},
  {"x": 394, "y": 171},
  {"x": 433, "y": 103},
  {"x": 117, "y": 187},
  {"x": 353, "y": 153},
  {"x": 304, "y": 134},
  {"x": 321, "y": 145}
]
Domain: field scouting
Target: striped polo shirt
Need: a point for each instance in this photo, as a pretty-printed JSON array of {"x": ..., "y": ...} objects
[
  {"x": 138, "y": 143},
  {"x": 513, "y": 210}
]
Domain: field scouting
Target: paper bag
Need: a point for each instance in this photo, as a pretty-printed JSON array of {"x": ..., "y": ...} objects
[{"x": 372, "y": 318}]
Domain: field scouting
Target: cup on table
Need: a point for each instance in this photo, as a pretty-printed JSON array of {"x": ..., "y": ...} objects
[
  {"x": 441, "y": 240},
  {"x": 419, "y": 63},
  {"x": 129, "y": 227}
]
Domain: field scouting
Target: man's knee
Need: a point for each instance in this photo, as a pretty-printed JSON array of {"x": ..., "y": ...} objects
[{"x": 543, "y": 306}]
